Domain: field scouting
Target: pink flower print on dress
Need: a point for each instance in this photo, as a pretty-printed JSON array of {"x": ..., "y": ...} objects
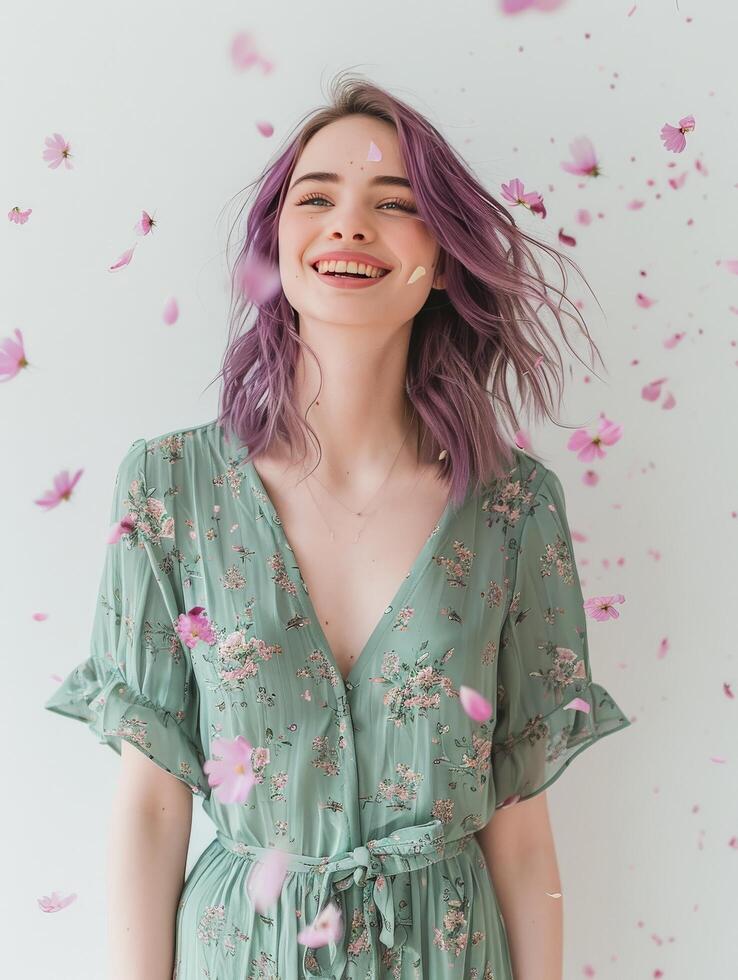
[
  {"x": 12, "y": 356},
  {"x": 589, "y": 447},
  {"x": 585, "y": 163},
  {"x": 63, "y": 486},
  {"x": 232, "y": 776},
  {"x": 193, "y": 626},
  {"x": 514, "y": 192},
  {"x": 474, "y": 704},
  {"x": 17, "y": 216},
  {"x": 325, "y": 928},
  {"x": 54, "y": 902},
  {"x": 673, "y": 137},
  {"x": 602, "y": 607},
  {"x": 57, "y": 152}
]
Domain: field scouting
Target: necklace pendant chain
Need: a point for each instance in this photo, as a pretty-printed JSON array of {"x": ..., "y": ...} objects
[{"x": 361, "y": 513}]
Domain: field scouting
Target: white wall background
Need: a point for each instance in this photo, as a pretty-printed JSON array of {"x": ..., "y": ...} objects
[{"x": 158, "y": 118}]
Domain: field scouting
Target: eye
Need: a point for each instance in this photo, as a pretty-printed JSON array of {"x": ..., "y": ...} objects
[{"x": 402, "y": 205}]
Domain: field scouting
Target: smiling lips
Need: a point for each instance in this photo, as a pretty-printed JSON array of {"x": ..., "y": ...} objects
[{"x": 342, "y": 274}]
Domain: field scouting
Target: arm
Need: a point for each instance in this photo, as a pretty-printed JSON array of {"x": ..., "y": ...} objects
[
  {"x": 150, "y": 832},
  {"x": 519, "y": 848}
]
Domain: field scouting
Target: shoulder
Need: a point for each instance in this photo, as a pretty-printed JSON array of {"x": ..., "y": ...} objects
[
  {"x": 156, "y": 465},
  {"x": 517, "y": 492}
]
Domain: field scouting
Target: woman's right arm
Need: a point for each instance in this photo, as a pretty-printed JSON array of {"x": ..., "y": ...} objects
[{"x": 149, "y": 837}]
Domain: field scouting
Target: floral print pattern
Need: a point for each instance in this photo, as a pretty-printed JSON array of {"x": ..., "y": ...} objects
[{"x": 375, "y": 785}]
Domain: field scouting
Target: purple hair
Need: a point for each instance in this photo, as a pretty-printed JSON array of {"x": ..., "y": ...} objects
[{"x": 464, "y": 336}]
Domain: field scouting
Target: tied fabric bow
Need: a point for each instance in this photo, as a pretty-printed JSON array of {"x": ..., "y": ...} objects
[{"x": 370, "y": 866}]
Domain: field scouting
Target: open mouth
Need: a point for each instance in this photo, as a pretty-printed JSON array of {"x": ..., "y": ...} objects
[{"x": 351, "y": 275}]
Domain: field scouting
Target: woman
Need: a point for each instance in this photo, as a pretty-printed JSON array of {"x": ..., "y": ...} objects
[{"x": 293, "y": 635}]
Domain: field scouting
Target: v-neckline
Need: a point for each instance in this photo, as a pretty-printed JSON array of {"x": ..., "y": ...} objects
[{"x": 402, "y": 593}]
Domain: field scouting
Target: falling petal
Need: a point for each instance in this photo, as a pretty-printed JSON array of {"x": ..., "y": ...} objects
[
  {"x": 418, "y": 273},
  {"x": 55, "y": 902},
  {"x": 12, "y": 356},
  {"x": 171, "y": 311},
  {"x": 144, "y": 224},
  {"x": 374, "y": 154},
  {"x": 474, "y": 704},
  {"x": 578, "y": 704},
  {"x": 325, "y": 928},
  {"x": 17, "y": 216},
  {"x": 124, "y": 259},
  {"x": 266, "y": 878}
]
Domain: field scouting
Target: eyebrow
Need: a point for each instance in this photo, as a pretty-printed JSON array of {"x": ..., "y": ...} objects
[{"x": 327, "y": 177}]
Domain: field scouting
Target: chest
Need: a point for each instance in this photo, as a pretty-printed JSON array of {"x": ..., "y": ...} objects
[{"x": 350, "y": 583}]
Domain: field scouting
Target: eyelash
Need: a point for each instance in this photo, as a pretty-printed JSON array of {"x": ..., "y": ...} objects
[{"x": 403, "y": 205}]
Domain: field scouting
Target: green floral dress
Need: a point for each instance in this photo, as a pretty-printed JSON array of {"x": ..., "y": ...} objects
[{"x": 376, "y": 785}]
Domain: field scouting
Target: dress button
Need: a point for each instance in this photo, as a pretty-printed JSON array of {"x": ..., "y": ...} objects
[
  {"x": 276, "y": 519},
  {"x": 388, "y": 610}
]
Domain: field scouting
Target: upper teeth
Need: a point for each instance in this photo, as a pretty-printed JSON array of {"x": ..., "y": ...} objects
[{"x": 356, "y": 267}]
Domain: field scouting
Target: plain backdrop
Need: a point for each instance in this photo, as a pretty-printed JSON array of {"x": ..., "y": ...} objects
[{"x": 159, "y": 117}]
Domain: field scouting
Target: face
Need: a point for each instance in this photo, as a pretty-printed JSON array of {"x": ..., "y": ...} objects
[{"x": 353, "y": 214}]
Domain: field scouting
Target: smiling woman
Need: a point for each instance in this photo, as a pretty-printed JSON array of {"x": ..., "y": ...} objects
[{"x": 307, "y": 685}]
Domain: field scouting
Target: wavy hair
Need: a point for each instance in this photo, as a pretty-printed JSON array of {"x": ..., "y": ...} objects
[{"x": 464, "y": 338}]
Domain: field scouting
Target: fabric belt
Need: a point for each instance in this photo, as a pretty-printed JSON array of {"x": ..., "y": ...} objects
[{"x": 371, "y": 866}]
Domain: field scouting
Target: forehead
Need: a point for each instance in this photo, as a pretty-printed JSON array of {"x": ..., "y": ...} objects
[{"x": 344, "y": 146}]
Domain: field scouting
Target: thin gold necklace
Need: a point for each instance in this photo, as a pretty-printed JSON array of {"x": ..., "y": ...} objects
[{"x": 361, "y": 512}]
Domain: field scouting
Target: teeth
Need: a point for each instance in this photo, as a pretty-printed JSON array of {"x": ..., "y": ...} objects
[{"x": 356, "y": 267}]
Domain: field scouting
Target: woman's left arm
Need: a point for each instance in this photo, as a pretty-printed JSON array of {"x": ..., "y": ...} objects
[{"x": 519, "y": 848}]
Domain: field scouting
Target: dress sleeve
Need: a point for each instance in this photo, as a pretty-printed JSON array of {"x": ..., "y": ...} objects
[
  {"x": 544, "y": 660},
  {"x": 138, "y": 683}
]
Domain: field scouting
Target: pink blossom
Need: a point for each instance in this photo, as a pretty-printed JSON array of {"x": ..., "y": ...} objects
[
  {"x": 63, "y": 486},
  {"x": 12, "y": 356},
  {"x": 266, "y": 878},
  {"x": 17, "y": 216},
  {"x": 515, "y": 193},
  {"x": 233, "y": 775},
  {"x": 585, "y": 162},
  {"x": 474, "y": 704},
  {"x": 144, "y": 224},
  {"x": 57, "y": 152},
  {"x": 589, "y": 447},
  {"x": 193, "y": 626},
  {"x": 673, "y": 137},
  {"x": 602, "y": 607},
  {"x": 325, "y": 928}
]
